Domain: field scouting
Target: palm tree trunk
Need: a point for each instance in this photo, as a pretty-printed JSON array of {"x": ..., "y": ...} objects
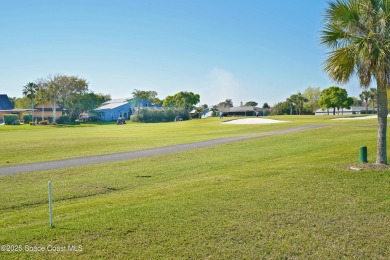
[{"x": 381, "y": 155}]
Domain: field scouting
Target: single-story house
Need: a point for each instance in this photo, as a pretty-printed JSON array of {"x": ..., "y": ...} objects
[
  {"x": 354, "y": 110},
  {"x": 45, "y": 110},
  {"x": 111, "y": 110},
  {"x": 6, "y": 107},
  {"x": 244, "y": 111}
]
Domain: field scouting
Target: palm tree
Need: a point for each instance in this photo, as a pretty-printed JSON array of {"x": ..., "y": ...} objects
[
  {"x": 358, "y": 34},
  {"x": 373, "y": 98},
  {"x": 30, "y": 90},
  {"x": 365, "y": 96}
]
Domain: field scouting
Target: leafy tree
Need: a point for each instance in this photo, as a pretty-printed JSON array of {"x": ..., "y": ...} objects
[
  {"x": 23, "y": 102},
  {"x": 149, "y": 95},
  {"x": 29, "y": 91},
  {"x": 183, "y": 99},
  {"x": 83, "y": 103},
  {"x": 281, "y": 108},
  {"x": 61, "y": 89},
  {"x": 312, "y": 95},
  {"x": 225, "y": 104},
  {"x": 334, "y": 97},
  {"x": 266, "y": 106},
  {"x": 251, "y": 104},
  {"x": 357, "y": 31}
]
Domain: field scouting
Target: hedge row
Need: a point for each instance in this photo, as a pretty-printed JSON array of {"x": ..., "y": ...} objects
[
  {"x": 156, "y": 116},
  {"x": 10, "y": 119}
]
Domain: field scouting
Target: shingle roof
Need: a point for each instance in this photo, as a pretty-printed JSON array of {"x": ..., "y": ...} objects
[{"x": 5, "y": 104}]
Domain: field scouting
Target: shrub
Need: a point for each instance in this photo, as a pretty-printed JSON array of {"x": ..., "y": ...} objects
[
  {"x": 62, "y": 120},
  {"x": 44, "y": 122},
  {"x": 135, "y": 118},
  {"x": 10, "y": 119},
  {"x": 27, "y": 118},
  {"x": 154, "y": 116}
]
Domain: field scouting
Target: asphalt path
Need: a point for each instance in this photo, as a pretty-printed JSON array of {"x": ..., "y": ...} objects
[{"x": 104, "y": 158}]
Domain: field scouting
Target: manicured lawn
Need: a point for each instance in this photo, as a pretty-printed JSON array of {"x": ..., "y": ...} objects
[
  {"x": 24, "y": 144},
  {"x": 288, "y": 196}
]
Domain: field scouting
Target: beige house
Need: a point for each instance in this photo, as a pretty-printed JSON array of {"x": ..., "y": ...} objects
[{"x": 45, "y": 110}]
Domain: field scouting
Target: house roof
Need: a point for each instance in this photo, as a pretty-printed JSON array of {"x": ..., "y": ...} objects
[
  {"x": 5, "y": 104},
  {"x": 112, "y": 104}
]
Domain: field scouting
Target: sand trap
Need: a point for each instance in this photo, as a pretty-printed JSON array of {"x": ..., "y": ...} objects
[
  {"x": 249, "y": 121},
  {"x": 357, "y": 118}
]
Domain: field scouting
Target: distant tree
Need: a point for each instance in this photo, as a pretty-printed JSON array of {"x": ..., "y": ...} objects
[
  {"x": 373, "y": 94},
  {"x": 148, "y": 95},
  {"x": 183, "y": 99},
  {"x": 357, "y": 102},
  {"x": 334, "y": 97},
  {"x": 365, "y": 96},
  {"x": 347, "y": 103},
  {"x": 225, "y": 104},
  {"x": 266, "y": 106},
  {"x": 23, "y": 102},
  {"x": 83, "y": 103},
  {"x": 30, "y": 91},
  {"x": 357, "y": 32},
  {"x": 298, "y": 100},
  {"x": 281, "y": 108},
  {"x": 312, "y": 95},
  {"x": 251, "y": 104},
  {"x": 12, "y": 100},
  {"x": 61, "y": 89}
]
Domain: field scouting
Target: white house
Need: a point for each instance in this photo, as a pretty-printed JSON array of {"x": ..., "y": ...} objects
[{"x": 345, "y": 111}]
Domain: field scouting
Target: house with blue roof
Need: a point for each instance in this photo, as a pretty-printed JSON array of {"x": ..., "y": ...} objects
[
  {"x": 6, "y": 106},
  {"x": 113, "y": 109}
]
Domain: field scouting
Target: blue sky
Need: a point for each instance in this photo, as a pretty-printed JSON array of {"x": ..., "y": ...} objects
[{"x": 261, "y": 51}]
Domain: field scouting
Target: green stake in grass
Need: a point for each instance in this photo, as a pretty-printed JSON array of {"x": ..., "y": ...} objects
[
  {"x": 363, "y": 154},
  {"x": 50, "y": 205}
]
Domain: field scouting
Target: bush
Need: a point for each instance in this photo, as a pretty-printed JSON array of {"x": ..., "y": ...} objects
[
  {"x": 136, "y": 118},
  {"x": 63, "y": 120},
  {"x": 10, "y": 119},
  {"x": 27, "y": 118},
  {"x": 155, "y": 116},
  {"x": 44, "y": 122}
]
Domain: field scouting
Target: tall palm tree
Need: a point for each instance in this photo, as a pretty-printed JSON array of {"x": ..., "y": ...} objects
[
  {"x": 29, "y": 91},
  {"x": 365, "y": 96},
  {"x": 358, "y": 32}
]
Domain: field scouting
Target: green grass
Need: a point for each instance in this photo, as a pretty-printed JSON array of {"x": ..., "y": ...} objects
[
  {"x": 26, "y": 144},
  {"x": 287, "y": 196}
]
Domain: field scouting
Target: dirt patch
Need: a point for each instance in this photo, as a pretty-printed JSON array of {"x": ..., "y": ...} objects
[{"x": 368, "y": 166}]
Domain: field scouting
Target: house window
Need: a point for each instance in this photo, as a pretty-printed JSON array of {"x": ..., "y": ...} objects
[{"x": 112, "y": 116}]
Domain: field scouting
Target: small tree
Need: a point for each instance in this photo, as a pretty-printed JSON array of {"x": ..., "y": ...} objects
[{"x": 29, "y": 91}]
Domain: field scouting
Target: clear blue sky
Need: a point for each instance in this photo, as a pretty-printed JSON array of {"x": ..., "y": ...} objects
[{"x": 259, "y": 50}]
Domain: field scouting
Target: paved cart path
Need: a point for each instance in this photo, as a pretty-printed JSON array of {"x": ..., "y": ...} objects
[{"x": 98, "y": 159}]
